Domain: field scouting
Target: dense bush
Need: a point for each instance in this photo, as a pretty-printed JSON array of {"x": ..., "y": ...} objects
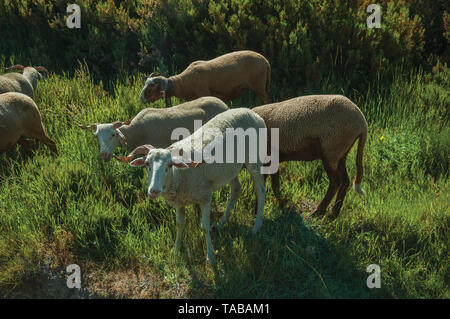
[
  {"x": 302, "y": 39},
  {"x": 74, "y": 208}
]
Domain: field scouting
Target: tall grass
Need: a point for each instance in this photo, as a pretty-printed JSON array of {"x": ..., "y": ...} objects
[{"x": 73, "y": 208}]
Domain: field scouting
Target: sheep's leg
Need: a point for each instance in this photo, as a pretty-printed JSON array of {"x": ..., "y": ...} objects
[
  {"x": 41, "y": 136},
  {"x": 261, "y": 91},
  {"x": 275, "y": 178},
  {"x": 25, "y": 144},
  {"x": 264, "y": 98},
  {"x": 345, "y": 184},
  {"x": 235, "y": 192},
  {"x": 180, "y": 227},
  {"x": 37, "y": 131},
  {"x": 206, "y": 224},
  {"x": 168, "y": 101},
  {"x": 332, "y": 189},
  {"x": 256, "y": 206},
  {"x": 258, "y": 182}
]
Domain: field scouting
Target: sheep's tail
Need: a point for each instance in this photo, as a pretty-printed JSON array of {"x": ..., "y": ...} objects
[
  {"x": 268, "y": 79},
  {"x": 359, "y": 163}
]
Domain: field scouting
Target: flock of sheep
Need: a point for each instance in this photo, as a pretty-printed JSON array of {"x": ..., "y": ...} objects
[{"x": 311, "y": 127}]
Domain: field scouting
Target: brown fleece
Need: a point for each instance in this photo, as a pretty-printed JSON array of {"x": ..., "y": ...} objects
[
  {"x": 25, "y": 82},
  {"x": 321, "y": 127},
  {"x": 20, "y": 117},
  {"x": 227, "y": 77}
]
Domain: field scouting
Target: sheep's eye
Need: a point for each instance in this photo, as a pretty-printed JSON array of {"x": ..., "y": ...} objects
[{"x": 113, "y": 134}]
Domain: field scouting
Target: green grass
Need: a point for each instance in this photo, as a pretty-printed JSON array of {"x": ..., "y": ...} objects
[{"x": 73, "y": 208}]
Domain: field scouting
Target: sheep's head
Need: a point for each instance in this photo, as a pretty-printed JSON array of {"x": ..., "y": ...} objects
[
  {"x": 155, "y": 88},
  {"x": 41, "y": 71},
  {"x": 109, "y": 137},
  {"x": 159, "y": 163}
]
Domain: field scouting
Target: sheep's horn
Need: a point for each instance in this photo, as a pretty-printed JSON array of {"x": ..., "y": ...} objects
[
  {"x": 15, "y": 67},
  {"x": 123, "y": 159},
  {"x": 118, "y": 124},
  {"x": 84, "y": 127},
  {"x": 140, "y": 150},
  {"x": 148, "y": 76},
  {"x": 41, "y": 69},
  {"x": 128, "y": 122}
]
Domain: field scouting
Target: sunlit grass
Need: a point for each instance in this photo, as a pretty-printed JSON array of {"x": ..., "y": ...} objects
[{"x": 73, "y": 208}]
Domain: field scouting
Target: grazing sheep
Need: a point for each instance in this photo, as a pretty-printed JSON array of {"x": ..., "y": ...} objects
[
  {"x": 319, "y": 127},
  {"x": 19, "y": 118},
  {"x": 182, "y": 181},
  {"x": 25, "y": 82},
  {"x": 154, "y": 126},
  {"x": 227, "y": 77}
]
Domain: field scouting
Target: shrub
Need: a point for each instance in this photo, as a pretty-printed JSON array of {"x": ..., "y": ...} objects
[{"x": 304, "y": 40}]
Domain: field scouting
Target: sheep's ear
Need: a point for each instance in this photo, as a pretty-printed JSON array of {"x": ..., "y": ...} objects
[
  {"x": 138, "y": 162},
  {"x": 92, "y": 126},
  {"x": 182, "y": 163},
  {"x": 178, "y": 162},
  {"x": 141, "y": 150},
  {"x": 123, "y": 159}
]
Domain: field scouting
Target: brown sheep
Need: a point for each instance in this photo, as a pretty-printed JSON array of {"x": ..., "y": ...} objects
[
  {"x": 24, "y": 82},
  {"x": 20, "y": 118},
  {"x": 321, "y": 127},
  {"x": 227, "y": 77}
]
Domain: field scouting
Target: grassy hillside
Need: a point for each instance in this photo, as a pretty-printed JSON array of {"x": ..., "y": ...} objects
[{"x": 73, "y": 208}]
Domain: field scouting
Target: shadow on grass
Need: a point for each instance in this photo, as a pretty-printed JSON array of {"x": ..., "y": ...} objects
[
  {"x": 286, "y": 259},
  {"x": 12, "y": 160}
]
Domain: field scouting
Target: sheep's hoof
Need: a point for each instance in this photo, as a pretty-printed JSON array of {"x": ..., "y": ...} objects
[
  {"x": 218, "y": 225},
  {"x": 317, "y": 213},
  {"x": 332, "y": 216},
  {"x": 281, "y": 200},
  {"x": 256, "y": 228},
  {"x": 176, "y": 250},
  {"x": 221, "y": 224},
  {"x": 211, "y": 261},
  {"x": 215, "y": 225}
]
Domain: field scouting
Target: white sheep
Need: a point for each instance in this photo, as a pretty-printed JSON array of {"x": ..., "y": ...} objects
[
  {"x": 154, "y": 126},
  {"x": 321, "y": 127},
  {"x": 25, "y": 82},
  {"x": 182, "y": 181},
  {"x": 20, "y": 118},
  {"x": 227, "y": 77}
]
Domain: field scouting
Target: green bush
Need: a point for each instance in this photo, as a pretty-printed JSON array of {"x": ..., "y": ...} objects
[{"x": 303, "y": 40}]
